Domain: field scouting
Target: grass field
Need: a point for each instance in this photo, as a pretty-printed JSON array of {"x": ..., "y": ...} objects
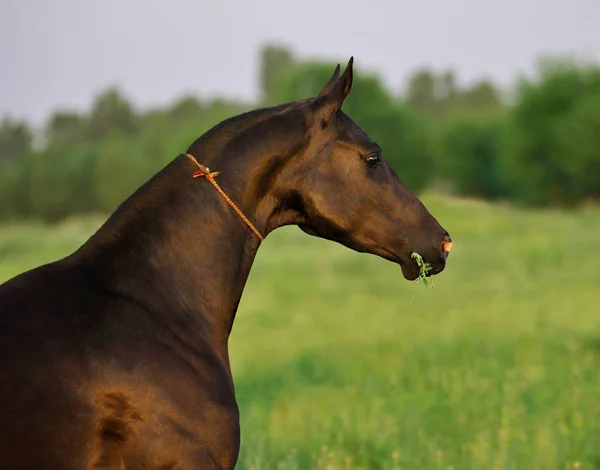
[{"x": 342, "y": 364}]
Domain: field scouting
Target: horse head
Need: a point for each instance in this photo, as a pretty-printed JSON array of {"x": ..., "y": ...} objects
[{"x": 342, "y": 188}]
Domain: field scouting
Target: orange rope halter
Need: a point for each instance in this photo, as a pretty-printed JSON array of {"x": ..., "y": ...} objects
[{"x": 210, "y": 176}]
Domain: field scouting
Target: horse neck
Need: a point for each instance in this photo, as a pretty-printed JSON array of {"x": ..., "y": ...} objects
[{"x": 178, "y": 250}]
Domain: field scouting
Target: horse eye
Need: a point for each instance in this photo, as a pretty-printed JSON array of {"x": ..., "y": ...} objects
[{"x": 372, "y": 160}]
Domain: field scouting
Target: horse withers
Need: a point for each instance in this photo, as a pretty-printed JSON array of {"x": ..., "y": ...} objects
[{"x": 116, "y": 356}]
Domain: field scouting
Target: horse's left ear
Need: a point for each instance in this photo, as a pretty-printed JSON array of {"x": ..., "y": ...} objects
[
  {"x": 332, "y": 81},
  {"x": 332, "y": 96}
]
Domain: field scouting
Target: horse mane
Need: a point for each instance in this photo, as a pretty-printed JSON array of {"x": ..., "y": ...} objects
[{"x": 240, "y": 123}]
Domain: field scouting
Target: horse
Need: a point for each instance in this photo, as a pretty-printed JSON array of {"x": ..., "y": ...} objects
[{"x": 116, "y": 356}]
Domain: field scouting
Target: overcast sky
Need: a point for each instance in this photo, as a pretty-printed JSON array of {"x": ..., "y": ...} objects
[{"x": 59, "y": 53}]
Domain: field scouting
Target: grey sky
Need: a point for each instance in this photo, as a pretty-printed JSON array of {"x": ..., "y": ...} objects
[{"x": 58, "y": 53}]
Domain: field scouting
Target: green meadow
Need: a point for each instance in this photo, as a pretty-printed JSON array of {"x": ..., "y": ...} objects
[{"x": 340, "y": 363}]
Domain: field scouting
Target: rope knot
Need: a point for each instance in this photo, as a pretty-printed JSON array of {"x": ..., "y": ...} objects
[{"x": 204, "y": 171}]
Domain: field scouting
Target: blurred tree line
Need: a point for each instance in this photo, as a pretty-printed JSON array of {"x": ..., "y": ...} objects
[{"x": 540, "y": 148}]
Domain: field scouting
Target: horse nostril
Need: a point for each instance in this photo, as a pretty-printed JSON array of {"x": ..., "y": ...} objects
[{"x": 446, "y": 244}]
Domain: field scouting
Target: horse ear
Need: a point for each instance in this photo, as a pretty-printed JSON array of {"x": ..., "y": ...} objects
[
  {"x": 332, "y": 81},
  {"x": 331, "y": 98}
]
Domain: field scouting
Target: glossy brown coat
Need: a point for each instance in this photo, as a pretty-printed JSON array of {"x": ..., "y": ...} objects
[{"x": 116, "y": 357}]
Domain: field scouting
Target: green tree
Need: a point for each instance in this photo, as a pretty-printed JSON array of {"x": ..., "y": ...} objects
[
  {"x": 111, "y": 114},
  {"x": 438, "y": 96},
  {"x": 536, "y": 166},
  {"x": 469, "y": 155},
  {"x": 578, "y": 144},
  {"x": 14, "y": 189},
  {"x": 121, "y": 168},
  {"x": 65, "y": 128},
  {"x": 15, "y": 140},
  {"x": 60, "y": 182},
  {"x": 481, "y": 96},
  {"x": 421, "y": 92},
  {"x": 187, "y": 108},
  {"x": 273, "y": 60}
]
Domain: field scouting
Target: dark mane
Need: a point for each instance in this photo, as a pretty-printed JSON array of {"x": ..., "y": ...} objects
[{"x": 240, "y": 123}]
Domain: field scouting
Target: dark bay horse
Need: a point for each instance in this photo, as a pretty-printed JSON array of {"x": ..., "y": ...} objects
[{"x": 116, "y": 357}]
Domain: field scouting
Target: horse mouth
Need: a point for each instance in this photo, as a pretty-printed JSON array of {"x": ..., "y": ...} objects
[
  {"x": 411, "y": 270},
  {"x": 409, "y": 267}
]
